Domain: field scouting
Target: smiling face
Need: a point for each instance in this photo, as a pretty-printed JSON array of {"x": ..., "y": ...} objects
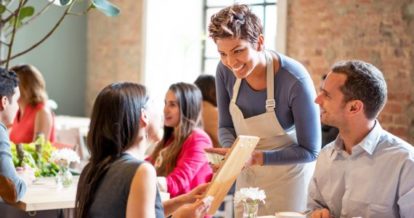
[
  {"x": 331, "y": 100},
  {"x": 239, "y": 55},
  {"x": 171, "y": 110}
]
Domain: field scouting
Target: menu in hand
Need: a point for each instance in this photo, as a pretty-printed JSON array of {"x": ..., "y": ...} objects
[{"x": 234, "y": 161}]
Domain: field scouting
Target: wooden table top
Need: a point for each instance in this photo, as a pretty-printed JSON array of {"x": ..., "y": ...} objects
[{"x": 45, "y": 195}]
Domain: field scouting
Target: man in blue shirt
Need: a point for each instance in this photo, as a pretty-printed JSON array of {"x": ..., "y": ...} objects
[
  {"x": 367, "y": 171},
  {"x": 12, "y": 187}
]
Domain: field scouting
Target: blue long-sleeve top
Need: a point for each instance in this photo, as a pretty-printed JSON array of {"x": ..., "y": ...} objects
[
  {"x": 295, "y": 107},
  {"x": 15, "y": 186}
]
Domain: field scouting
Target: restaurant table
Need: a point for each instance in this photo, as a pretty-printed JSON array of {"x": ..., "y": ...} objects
[
  {"x": 43, "y": 199},
  {"x": 44, "y": 194}
]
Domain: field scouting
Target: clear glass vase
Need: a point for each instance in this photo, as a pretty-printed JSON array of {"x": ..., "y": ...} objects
[
  {"x": 250, "y": 209},
  {"x": 64, "y": 178}
]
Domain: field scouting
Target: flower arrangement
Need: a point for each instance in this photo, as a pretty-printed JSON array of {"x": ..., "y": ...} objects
[
  {"x": 250, "y": 197},
  {"x": 35, "y": 156},
  {"x": 63, "y": 157}
]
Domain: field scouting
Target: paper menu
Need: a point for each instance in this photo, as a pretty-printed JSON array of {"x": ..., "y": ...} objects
[{"x": 234, "y": 161}]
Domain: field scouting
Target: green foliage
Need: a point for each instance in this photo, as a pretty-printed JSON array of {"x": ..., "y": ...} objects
[
  {"x": 25, "y": 12},
  {"x": 15, "y": 15},
  {"x": 2, "y": 9},
  {"x": 39, "y": 162}
]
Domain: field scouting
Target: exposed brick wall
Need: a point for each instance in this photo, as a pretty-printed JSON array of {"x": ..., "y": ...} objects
[
  {"x": 115, "y": 48},
  {"x": 378, "y": 31},
  {"x": 319, "y": 34}
]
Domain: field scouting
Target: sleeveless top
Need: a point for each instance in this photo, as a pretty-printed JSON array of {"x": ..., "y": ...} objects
[
  {"x": 23, "y": 125},
  {"x": 112, "y": 193}
]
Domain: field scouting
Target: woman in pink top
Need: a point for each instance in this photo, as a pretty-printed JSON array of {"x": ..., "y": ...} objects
[
  {"x": 33, "y": 117},
  {"x": 179, "y": 157}
]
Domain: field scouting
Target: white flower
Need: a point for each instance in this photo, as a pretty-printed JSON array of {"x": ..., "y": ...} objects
[
  {"x": 249, "y": 195},
  {"x": 64, "y": 157}
]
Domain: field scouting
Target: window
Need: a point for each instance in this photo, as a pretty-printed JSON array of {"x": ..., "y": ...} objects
[
  {"x": 172, "y": 44},
  {"x": 177, "y": 46},
  {"x": 266, "y": 10}
]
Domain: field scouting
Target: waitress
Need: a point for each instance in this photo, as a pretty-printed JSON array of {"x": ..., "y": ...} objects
[{"x": 266, "y": 94}]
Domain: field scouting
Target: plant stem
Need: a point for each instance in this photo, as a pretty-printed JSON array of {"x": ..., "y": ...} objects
[
  {"x": 13, "y": 34},
  {"x": 14, "y": 13},
  {"x": 43, "y": 39},
  {"x": 34, "y": 16}
]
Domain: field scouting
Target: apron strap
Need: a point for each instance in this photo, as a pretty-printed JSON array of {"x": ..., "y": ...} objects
[
  {"x": 270, "y": 101},
  {"x": 236, "y": 88}
]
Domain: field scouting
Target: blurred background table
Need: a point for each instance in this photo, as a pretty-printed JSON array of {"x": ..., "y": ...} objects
[{"x": 43, "y": 199}]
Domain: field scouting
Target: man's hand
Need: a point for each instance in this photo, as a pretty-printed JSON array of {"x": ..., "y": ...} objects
[{"x": 321, "y": 213}]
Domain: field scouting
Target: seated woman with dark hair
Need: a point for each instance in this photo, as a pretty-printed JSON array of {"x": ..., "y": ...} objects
[
  {"x": 34, "y": 116},
  {"x": 117, "y": 142}
]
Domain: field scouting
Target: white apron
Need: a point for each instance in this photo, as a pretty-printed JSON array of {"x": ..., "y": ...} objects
[{"x": 285, "y": 186}]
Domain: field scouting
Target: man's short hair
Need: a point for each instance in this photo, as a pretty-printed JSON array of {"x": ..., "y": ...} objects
[
  {"x": 8, "y": 82},
  {"x": 364, "y": 82}
]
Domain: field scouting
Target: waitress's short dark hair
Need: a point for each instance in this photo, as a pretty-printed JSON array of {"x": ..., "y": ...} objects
[{"x": 236, "y": 21}]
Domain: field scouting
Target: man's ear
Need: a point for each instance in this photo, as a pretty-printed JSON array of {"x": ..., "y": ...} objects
[
  {"x": 355, "y": 106},
  {"x": 4, "y": 102}
]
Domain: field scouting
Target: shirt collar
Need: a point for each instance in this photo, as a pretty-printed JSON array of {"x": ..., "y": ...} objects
[
  {"x": 3, "y": 126},
  {"x": 368, "y": 144}
]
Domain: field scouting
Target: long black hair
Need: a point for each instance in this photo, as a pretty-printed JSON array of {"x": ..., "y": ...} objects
[{"x": 114, "y": 128}]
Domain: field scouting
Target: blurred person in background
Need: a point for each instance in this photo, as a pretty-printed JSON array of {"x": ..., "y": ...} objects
[
  {"x": 179, "y": 157},
  {"x": 34, "y": 117},
  {"x": 207, "y": 85}
]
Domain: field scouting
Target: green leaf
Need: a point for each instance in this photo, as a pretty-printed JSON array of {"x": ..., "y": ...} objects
[
  {"x": 11, "y": 22},
  {"x": 27, "y": 11},
  {"x": 2, "y": 9},
  {"x": 106, "y": 7}
]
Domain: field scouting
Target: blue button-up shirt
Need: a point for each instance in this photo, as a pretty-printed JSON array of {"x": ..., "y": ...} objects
[
  {"x": 7, "y": 171},
  {"x": 376, "y": 180}
]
